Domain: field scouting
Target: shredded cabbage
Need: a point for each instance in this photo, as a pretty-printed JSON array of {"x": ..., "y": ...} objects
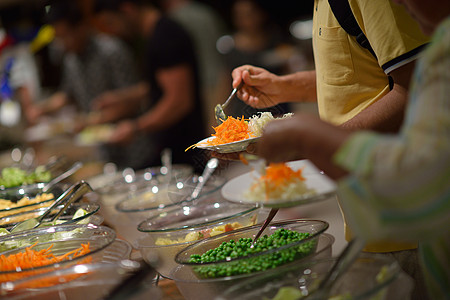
[{"x": 258, "y": 122}]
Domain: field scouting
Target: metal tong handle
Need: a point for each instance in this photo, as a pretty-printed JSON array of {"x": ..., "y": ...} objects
[
  {"x": 270, "y": 217},
  {"x": 344, "y": 261},
  {"x": 75, "y": 167},
  {"x": 77, "y": 191},
  {"x": 211, "y": 165}
]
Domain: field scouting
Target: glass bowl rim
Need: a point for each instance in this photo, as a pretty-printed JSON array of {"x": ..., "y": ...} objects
[
  {"x": 32, "y": 232},
  {"x": 40, "y": 186},
  {"x": 331, "y": 239},
  {"x": 222, "y": 182},
  {"x": 253, "y": 255},
  {"x": 196, "y": 226},
  {"x": 306, "y": 264},
  {"x": 96, "y": 208}
]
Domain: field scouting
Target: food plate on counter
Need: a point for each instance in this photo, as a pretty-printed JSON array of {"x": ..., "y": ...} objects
[
  {"x": 95, "y": 135},
  {"x": 315, "y": 187}
]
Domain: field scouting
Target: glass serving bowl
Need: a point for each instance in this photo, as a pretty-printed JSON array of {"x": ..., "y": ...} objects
[
  {"x": 29, "y": 191},
  {"x": 92, "y": 281},
  {"x": 249, "y": 264},
  {"x": 62, "y": 240},
  {"x": 146, "y": 202},
  {"x": 129, "y": 179},
  {"x": 169, "y": 232},
  {"x": 67, "y": 216},
  {"x": 371, "y": 276},
  {"x": 192, "y": 288}
]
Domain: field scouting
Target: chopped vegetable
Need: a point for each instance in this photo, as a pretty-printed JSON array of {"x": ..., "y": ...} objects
[
  {"x": 198, "y": 235},
  {"x": 231, "y": 130},
  {"x": 12, "y": 177},
  {"x": 287, "y": 293},
  {"x": 233, "y": 249},
  {"x": 31, "y": 259},
  {"x": 257, "y": 123},
  {"x": 279, "y": 182}
]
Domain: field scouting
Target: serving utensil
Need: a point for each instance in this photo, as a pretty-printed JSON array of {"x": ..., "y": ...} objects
[
  {"x": 75, "y": 167},
  {"x": 210, "y": 167},
  {"x": 219, "y": 109},
  {"x": 259, "y": 165},
  {"x": 344, "y": 261},
  {"x": 72, "y": 194}
]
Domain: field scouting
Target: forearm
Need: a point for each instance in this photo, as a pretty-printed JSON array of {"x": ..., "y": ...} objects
[
  {"x": 164, "y": 115},
  {"x": 385, "y": 115},
  {"x": 134, "y": 93},
  {"x": 298, "y": 87}
]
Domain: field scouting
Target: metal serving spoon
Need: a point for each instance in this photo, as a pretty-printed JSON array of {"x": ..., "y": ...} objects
[
  {"x": 72, "y": 194},
  {"x": 219, "y": 109}
]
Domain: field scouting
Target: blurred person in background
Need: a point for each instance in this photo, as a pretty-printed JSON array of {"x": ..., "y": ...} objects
[
  {"x": 257, "y": 41},
  {"x": 392, "y": 187},
  {"x": 22, "y": 38},
  {"x": 205, "y": 27},
  {"x": 93, "y": 64},
  {"x": 170, "y": 91}
]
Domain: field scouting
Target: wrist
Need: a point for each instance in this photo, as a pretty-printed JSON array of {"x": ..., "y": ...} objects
[{"x": 137, "y": 126}]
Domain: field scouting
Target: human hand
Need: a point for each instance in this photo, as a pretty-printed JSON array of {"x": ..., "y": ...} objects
[
  {"x": 260, "y": 87},
  {"x": 235, "y": 156},
  {"x": 106, "y": 100},
  {"x": 124, "y": 133}
]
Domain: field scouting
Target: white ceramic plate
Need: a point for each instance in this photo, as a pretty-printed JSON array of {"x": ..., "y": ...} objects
[
  {"x": 228, "y": 147},
  {"x": 324, "y": 187}
]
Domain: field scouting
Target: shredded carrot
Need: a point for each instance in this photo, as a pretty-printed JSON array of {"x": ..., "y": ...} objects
[
  {"x": 231, "y": 130},
  {"x": 30, "y": 259},
  {"x": 279, "y": 175},
  {"x": 243, "y": 159}
]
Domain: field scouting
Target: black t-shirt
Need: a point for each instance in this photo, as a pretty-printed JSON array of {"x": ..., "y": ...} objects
[{"x": 169, "y": 46}]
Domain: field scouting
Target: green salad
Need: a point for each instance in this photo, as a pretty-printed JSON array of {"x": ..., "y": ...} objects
[{"x": 12, "y": 177}]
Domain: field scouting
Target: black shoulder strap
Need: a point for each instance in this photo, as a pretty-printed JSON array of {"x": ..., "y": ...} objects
[{"x": 344, "y": 15}]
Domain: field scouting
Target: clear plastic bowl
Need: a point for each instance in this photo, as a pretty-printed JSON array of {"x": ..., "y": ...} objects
[
  {"x": 372, "y": 276},
  {"x": 151, "y": 200},
  {"x": 64, "y": 239},
  {"x": 80, "y": 282},
  {"x": 298, "y": 249},
  {"x": 169, "y": 232},
  {"x": 66, "y": 217},
  {"x": 192, "y": 288}
]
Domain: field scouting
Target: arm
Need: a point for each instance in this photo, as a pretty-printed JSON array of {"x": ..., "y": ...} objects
[
  {"x": 118, "y": 104},
  {"x": 264, "y": 89},
  {"x": 303, "y": 136},
  {"x": 386, "y": 115},
  {"x": 176, "y": 102}
]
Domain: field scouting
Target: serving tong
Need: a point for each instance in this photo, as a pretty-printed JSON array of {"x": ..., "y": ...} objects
[{"x": 72, "y": 194}]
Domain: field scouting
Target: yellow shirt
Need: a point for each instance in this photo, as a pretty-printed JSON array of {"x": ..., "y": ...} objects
[{"x": 349, "y": 78}]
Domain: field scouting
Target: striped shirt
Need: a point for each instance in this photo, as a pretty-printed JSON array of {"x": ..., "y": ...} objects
[{"x": 400, "y": 184}]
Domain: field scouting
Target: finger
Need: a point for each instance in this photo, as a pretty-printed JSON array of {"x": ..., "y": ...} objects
[{"x": 226, "y": 156}]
